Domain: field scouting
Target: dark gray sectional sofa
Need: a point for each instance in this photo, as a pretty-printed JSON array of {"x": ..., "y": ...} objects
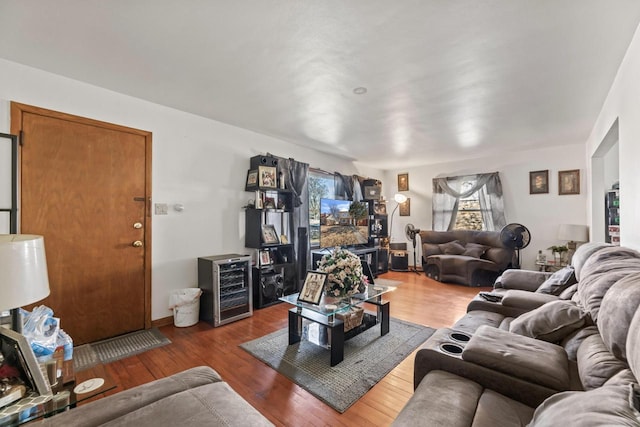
[{"x": 571, "y": 361}]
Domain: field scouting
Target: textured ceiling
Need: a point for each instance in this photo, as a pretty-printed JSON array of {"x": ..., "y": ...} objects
[{"x": 446, "y": 80}]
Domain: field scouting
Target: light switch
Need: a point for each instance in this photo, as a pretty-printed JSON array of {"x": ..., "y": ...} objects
[{"x": 162, "y": 209}]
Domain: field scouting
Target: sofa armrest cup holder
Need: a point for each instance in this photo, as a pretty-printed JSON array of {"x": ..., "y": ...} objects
[{"x": 452, "y": 349}]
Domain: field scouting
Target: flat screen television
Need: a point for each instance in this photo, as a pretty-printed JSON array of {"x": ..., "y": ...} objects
[{"x": 343, "y": 223}]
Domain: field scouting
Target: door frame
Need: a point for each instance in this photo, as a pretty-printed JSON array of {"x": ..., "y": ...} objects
[{"x": 18, "y": 109}]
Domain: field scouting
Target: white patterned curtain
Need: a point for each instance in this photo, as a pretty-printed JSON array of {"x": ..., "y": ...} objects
[{"x": 447, "y": 194}]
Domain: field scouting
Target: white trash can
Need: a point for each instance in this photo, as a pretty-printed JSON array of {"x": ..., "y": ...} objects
[{"x": 185, "y": 304}]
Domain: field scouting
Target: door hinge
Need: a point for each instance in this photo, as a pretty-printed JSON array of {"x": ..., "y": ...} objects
[{"x": 21, "y": 138}]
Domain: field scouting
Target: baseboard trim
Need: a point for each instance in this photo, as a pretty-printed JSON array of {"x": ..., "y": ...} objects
[{"x": 162, "y": 322}]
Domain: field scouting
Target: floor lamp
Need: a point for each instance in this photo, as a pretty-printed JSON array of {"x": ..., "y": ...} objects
[
  {"x": 397, "y": 262},
  {"x": 24, "y": 279},
  {"x": 399, "y": 198}
]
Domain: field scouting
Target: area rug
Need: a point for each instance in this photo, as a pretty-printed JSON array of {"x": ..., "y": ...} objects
[
  {"x": 368, "y": 357},
  {"x": 112, "y": 349}
]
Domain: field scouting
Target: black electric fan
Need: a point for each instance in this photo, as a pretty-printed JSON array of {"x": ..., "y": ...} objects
[
  {"x": 515, "y": 236},
  {"x": 411, "y": 232}
]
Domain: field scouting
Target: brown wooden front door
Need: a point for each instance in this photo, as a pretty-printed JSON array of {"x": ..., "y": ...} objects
[{"x": 85, "y": 186}]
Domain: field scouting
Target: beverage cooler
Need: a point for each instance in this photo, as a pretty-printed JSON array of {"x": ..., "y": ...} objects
[{"x": 225, "y": 281}]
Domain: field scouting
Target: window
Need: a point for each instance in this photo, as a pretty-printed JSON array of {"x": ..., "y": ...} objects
[
  {"x": 321, "y": 186},
  {"x": 469, "y": 214},
  {"x": 472, "y": 202}
]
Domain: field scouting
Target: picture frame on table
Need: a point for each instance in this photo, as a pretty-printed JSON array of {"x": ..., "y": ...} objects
[
  {"x": 569, "y": 182},
  {"x": 269, "y": 235},
  {"x": 313, "y": 287},
  {"x": 267, "y": 176},
  {"x": 403, "y": 182},
  {"x": 539, "y": 182},
  {"x": 17, "y": 352}
]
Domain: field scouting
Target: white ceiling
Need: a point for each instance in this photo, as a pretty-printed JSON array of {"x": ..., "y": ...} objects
[{"x": 446, "y": 80}]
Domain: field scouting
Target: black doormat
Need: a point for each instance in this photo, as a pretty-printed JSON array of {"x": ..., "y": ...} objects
[{"x": 112, "y": 349}]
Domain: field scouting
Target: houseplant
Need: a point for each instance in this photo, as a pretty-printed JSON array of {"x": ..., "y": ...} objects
[{"x": 344, "y": 273}]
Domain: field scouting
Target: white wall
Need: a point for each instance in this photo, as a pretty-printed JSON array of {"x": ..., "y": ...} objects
[
  {"x": 623, "y": 104},
  {"x": 197, "y": 162},
  {"x": 540, "y": 213}
]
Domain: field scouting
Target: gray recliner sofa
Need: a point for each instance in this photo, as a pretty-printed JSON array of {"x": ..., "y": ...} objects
[
  {"x": 569, "y": 362},
  {"x": 195, "y": 397},
  {"x": 521, "y": 291},
  {"x": 466, "y": 257}
]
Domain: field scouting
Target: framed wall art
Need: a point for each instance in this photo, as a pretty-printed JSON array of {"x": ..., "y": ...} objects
[
  {"x": 405, "y": 207},
  {"x": 267, "y": 176},
  {"x": 539, "y": 182},
  {"x": 269, "y": 235},
  {"x": 403, "y": 182},
  {"x": 313, "y": 287},
  {"x": 569, "y": 182}
]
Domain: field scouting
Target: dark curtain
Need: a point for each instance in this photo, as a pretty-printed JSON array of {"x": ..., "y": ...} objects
[
  {"x": 295, "y": 175},
  {"x": 344, "y": 186}
]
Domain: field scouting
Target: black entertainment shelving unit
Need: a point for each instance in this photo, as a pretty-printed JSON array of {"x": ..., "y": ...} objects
[{"x": 274, "y": 270}]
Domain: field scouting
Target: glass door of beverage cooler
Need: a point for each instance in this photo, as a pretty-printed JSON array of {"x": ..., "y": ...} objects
[{"x": 234, "y": 290}]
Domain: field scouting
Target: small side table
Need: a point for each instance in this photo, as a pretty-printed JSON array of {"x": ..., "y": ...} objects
[
  {"x": 33, "y": 406},
  {"x": 549, "y": 266}
]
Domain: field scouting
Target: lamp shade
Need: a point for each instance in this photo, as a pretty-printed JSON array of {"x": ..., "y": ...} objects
[
  {"x": 23, "y": 270},
  {"x": 573, "y": 233},
  {"x": 400, "y": 198}
]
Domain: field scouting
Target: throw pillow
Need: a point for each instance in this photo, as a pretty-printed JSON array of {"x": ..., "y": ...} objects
[
  {"x": 429, "y": 249},
  {"x": 605, "y": 406},
  {"x": 452, "y": 248},
  {"x": 475, "y": 250},
  {"x": 558, "y": 281},
  {"x": 550, "y": 322}
]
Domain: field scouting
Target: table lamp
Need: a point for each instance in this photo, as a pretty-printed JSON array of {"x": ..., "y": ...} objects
[
  {"x": 573, "y": 233},
  {"x": 23, "y": 278}
]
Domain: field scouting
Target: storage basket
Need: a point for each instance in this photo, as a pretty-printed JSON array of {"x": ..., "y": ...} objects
[{"x": 352, "y": 318}]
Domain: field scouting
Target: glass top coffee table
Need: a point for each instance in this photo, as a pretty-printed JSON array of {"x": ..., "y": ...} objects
[{"x": 336, "y": 315}]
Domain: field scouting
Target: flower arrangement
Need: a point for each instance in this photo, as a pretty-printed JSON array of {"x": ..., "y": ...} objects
[{"x": 344, "y": 273}]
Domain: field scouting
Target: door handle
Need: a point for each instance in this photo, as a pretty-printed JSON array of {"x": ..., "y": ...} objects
[
  {"x": 137, "y": 225},
  {"x": 137, "y": 244}
]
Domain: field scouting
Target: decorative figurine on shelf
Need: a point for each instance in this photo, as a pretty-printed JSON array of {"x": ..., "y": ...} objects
[{"x": 541, "y": 258}]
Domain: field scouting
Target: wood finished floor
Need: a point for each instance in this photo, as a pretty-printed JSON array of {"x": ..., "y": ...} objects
[{"x": 419, "y": 300}]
